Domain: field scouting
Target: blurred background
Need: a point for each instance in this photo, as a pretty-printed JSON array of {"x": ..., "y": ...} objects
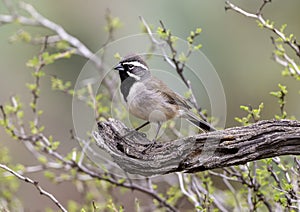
[{"x": 240, "y": 51}]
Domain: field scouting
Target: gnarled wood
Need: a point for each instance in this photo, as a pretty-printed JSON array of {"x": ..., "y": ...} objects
[{"x": 232, "y": 146}]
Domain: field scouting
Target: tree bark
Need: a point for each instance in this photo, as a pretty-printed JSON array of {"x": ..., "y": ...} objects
[{"x": 222, "y": 148}]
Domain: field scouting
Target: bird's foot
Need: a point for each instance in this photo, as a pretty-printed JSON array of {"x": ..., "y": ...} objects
[
  {"x": 149, "y": 146},
  {"x": 132, "y": 133}
]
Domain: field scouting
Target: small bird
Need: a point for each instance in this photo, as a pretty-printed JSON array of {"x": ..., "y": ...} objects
[{"x": 149, "y": 98}]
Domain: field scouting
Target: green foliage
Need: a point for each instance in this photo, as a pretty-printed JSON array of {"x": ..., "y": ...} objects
[
  {"x": 162, "y": 33},
  {"x": 58, "y": 84},
  {"x": 46, "y": 59},
  {"x": 42, "y": 159},
  {"x": 112, "y": 207},
  {"x": 112, "y": 23},
  {"x": 266, "y": 24},
  {"x": 49, "y": 175},
  {"x": 117, "y": 56},
  {"x": 182, "y": 58},
  {"x": 12, "y": 109},
  {"x": 179, "y": 58},
  {"x": 9, "y": 184},
  {"x": 266, "y": 181},
  {"x": 192, "y": 37},
  {"x": 62, "y": 45},
  {"x": 73, "y": 155},
  {"x": 95, "y": 102},
  {"x": 281, "y": 95},
  {"x": 22, "y": 36},
  {"x": 291, "y": 68},
  {"x": 283, "y": 40},
  {"x": 73, "y": 206},
  {"x": 34, "y": 62},
  {"x": 173, "y": 194},
  {"x": 253, "y": 114}
]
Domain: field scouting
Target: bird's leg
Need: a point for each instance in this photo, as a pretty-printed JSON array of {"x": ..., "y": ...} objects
[
  {"x": 136, "y": 129},
  {"x": 155, "y": 138},
  {"x": 143, "y": 125},
  {"x": 157, "y": 131}
]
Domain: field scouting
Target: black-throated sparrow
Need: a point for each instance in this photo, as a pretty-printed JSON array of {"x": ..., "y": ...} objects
[{"x": 149, "y": 98}]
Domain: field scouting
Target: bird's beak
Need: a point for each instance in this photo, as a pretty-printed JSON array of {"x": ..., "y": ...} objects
[{"x": 119, "y": 67}]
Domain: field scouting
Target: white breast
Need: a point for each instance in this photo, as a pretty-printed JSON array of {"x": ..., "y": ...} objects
[{"x": 146, "y": 104}]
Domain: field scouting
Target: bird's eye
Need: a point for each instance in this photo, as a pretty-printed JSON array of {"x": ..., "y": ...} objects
[{"x": 130, "y": 66}]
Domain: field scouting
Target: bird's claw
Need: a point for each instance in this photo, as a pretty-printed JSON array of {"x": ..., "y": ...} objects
[{"x": 149, "y": 146}]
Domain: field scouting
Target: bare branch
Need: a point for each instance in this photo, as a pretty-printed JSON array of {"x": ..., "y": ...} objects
[
  {"x": 77, "y": 46},
  {"x": 222, "y": 148},
  {"x": 161, "y": 45},
  {"x": 265, "y": 23},
  {"x": 265, "y": 2},
  {"x": 41, "y": 20},
  {"x": 36, "y": 185}
]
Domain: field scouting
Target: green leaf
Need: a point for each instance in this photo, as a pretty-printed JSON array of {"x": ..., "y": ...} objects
[
  {"x": 122, "y": 180},
  {"x": 31, "y": 86},
  {"x": 42, "y": 159},
  {"x": 283, "y": 88},
  {"x": 282, "y": 28},
  {"x": 55, "y": 145},
  {"x": 198, "y": 30},
  {"x": 182, "y": 58},
  {"x": 112, "y": 23},
  {"x": 245, "y": 108},
  {"x": 259, "y": 24},
  {"x": 162, "y": 33},
  {"x": 62, "y": 45},
  {"x": 276, "y": 93},
  {"x": 25, "y": 36},
  {"x": 50, "y": 175},
  {"x": 174, "y": 39},
  {"x": 117, "y": 56},
  {"x": 47, "y": 58},
  {"x": 41, "y": 129},
  {"x": 192, "y": 33},
  {"x": 32, "y": 63},
  {"x": 190, "y": 39},
  {"x": 199, "y": 46},
  {"x": 154, "y": 186},
  {"x": 73, "y": 206},
  {"x": 39, "y": 73}
]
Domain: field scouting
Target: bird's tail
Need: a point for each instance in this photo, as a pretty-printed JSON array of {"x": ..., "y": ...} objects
[{"x": 203, "y": 125}]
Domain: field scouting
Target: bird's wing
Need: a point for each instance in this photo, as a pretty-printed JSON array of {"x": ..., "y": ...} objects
[
  {"x": 171, "y": 97},
  {"x": 175, "y": 99}
]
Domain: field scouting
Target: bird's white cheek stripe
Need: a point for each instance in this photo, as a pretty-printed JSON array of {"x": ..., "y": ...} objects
[
  {"x": 135, "y": 63},
  {"x": 133, "y": 76}
]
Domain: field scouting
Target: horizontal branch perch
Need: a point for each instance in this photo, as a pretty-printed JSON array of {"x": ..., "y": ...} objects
[{"x": 232, "y": 146}]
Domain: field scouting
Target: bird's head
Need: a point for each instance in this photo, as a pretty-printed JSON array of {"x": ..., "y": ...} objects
[{"x": 132, "y": 66}]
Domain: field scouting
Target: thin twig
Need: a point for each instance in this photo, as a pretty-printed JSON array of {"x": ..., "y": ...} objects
[
  {"x": 258, "y": 16},
  {"x": 173, "y": 62},
  {"x": 285, "y": 60},
  {"x": 41, "y": 20},
  {"x": 160, "y": 44},
  {"x": 181, "y": 181},
  {"x": 36, "y": 185}
]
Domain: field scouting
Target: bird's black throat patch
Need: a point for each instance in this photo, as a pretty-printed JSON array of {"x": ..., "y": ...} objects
[{"x": 126, "y": 83}]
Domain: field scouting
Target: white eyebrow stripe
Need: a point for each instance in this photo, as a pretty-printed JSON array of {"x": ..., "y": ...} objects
[
  {"x": 135, "y": 63},
  {"x": 133, "y": 76}
]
